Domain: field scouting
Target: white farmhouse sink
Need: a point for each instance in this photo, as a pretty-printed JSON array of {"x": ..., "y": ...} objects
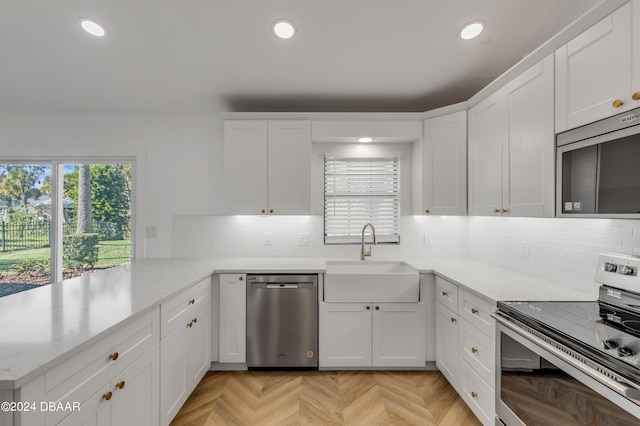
[{"x": 371, "y": 281}]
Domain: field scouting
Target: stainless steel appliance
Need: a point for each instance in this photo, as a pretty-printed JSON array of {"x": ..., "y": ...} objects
[
  {"x": 572, "y": 363},
  {"x": 282, "y": 321},
  {"x": 598, "y": 168}
]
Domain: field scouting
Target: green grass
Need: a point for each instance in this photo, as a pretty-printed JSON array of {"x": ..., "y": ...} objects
[{"x": 109, "y": 253}]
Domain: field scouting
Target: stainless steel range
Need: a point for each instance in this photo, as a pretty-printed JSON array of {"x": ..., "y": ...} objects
[{"x": 573, "y": 363}]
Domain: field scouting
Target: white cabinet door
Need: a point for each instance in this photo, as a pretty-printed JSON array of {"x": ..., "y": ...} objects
[
  {"x": 289, "y": 167},
  {"x": 486, "y": 147},
  {"x": 173, "y": 371},
  {"x": 245, "y": 166},
  {"x": 233, "y": 318},
  {"x": 447, "y": 341},
  {"x": 445, "y": 165},
  {"x": 344, "y": 335},
  {"x": 136, "y": 392},
  {"x": 398, "y": 335},
  {"x": 529, "y": 189},
  {"x": 594, "y": 70},
  {"x": 95, "y": 411},
  {"x": 199, "y": 345}
]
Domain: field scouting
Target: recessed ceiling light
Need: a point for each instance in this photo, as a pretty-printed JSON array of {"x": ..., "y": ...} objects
[
  {"x": 92, "y": 27},
  {"x": 284, "y": 28},
  {"x": 365, "y": 139},
  {"x": 471, "y": 30}
]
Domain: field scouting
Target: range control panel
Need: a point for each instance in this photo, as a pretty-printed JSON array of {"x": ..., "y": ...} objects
[{"x": 619, "y": 271}]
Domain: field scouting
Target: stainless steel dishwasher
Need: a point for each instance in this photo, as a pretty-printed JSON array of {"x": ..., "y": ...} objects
[{"x": 282, "y": 321}]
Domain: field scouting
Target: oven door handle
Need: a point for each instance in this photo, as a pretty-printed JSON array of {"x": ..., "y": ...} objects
[{"x": 621, "y": 388}]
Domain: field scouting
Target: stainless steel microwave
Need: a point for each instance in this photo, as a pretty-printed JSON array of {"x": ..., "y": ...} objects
[{"x": 598, "y": 168}]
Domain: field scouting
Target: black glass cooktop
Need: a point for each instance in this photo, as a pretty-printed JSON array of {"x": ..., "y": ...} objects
[{"x": 578, "y": 325}]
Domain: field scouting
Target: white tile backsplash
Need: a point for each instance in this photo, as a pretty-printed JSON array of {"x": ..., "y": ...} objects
[{"x": 560, "y": 250}]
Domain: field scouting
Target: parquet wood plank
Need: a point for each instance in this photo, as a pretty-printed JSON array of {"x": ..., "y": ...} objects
[{"x": 422, "y": 398}]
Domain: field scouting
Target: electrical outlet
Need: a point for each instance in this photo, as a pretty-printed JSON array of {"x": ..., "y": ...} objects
[
  {"x": 427, "y": 239},
  {"x": 303, "y": 239},
  {"x": 267, "y": 238},
  {"x": 151, "y": 231}
]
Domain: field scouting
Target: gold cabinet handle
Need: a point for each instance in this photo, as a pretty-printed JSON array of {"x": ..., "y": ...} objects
[
  {"x": 473, "y": 394},
  {"x": 427, "y": 211},
  {"x": 195, "y": 320},
  {"x": 190, "y": 323},
  {"x": 192, "y": 301},
  {"x": 263, "y": 211},
  {"x": 270, "y": 210},
  {"x": 505, "y": 210},
  {"x": 474, "y": 350},
  {"x": 107, "y": 395},
  {"x": 496, "y": 210},
  {"x": 240, "y": 278},
  {"x": 113, "y": 356},
  {"x": 444, "y": 293},
  {"x": 474, "y": 311},
  {"x": 636, "y": 96},
  {"x": 453, "y": 319},
  {"x": 368, "y": 308},
  {"x": 617, "y": 103},
  {"x": 377, "y": 308},
  {"x": 120, "y": 385}
]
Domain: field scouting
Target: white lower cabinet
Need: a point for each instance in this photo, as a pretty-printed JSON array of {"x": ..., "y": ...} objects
[
  {"x": 372, "y": 335},
  {"x": 233, "y": 318},
  {"x": 185, "y": 346},
  {"x": 113, "y": 381},
  {"x": 465, "y": 346}
]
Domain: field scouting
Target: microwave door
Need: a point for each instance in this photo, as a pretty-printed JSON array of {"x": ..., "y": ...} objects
[
  {"x": 619, "y": 176},
  {"x": 580, "y": 180}
]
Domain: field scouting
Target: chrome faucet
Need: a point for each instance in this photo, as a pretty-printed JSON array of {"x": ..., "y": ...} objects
[{"x": 364, "y": 253}]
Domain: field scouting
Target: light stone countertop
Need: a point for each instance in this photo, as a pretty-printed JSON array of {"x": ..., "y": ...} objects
[{"x": 40, "y": 327}]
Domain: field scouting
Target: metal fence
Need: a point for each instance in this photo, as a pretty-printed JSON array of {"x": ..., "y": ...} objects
[{"x": 32, "y": 235}]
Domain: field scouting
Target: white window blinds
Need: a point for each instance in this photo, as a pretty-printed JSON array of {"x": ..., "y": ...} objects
[{"x": 359, "y": 191}]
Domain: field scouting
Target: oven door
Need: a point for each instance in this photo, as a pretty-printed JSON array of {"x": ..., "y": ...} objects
[{"x": 537, "y": 387}]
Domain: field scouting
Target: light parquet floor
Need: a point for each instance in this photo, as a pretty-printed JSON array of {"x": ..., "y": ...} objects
[{"x": 422, "y": 398}]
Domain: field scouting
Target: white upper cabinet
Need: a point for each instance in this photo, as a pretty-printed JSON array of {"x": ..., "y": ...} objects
[
  {"x": 444, "y": 156},
  {"x": 267, "y": 166},
  {"x": 511, "y": 148},
  {"x": 597, "y": 72}
]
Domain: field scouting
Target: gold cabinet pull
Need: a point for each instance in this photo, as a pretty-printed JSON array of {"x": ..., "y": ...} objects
[
  {"x": 505, "y": 210},
  {"x": 113, "y": 356},
  {"x": 195, "y": 320},
  {"x": 474, "y": 311},
  {"x": 496, "y": 210},
  {"x": 453, "y": 319},
  {"x": 120, "y": 384},
  {"x": 107, "y": 395},
  {"x": 474, "y": 350},
  {"x": 190, "y": 324},
  {"x": 192, "y": 301},
  {"x": 270, "y": 210},
  {"x": 427, "y": 211},
  {"x": 473, "y": 394},
  {"x": 377, "y": 308},
  {"x": 240, "y": 278},
  {"x": 263, "y": 211},
  {"x": 636, "y": 96},
  {"x": 617, "y": 103},
  {"x": 368, "y": 308},
  {"x": 444, "y": 293}
]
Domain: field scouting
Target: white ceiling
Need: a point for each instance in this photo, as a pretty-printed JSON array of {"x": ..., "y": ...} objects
[{"x": 219, "y": 55}]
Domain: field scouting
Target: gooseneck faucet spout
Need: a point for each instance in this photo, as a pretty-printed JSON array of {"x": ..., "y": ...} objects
[{"x": 363, "y": 252}]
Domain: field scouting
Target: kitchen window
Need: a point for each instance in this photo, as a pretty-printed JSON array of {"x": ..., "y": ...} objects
[{"x": 359, "y": 191}]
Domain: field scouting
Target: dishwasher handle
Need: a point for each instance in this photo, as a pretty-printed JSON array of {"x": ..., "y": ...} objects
[{"x": 276, "y": 286}]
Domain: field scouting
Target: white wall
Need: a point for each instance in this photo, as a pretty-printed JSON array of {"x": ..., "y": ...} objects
[{"x": 181, "y": 158}]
